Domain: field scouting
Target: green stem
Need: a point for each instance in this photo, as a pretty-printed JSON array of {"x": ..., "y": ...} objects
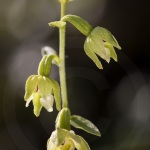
[
  {"x": 63, "y": 9},
  {"x": 62, "y": 71}
]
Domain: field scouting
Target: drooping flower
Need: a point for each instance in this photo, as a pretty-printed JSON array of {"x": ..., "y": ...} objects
[
  {"x": 40, "y": 90},
  {"x": 62, "y": 139},
  {"x": 101, "y": 42}
]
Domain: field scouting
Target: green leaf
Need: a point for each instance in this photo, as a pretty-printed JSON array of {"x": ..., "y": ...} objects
[
  {"x": 84, "y": 124},
  {"x": 63, "y": 119},
  {"x": 30, "y": 87},
  {"x": 56, "y": 91},
  {"x": 106, "y": 36},
  {"x": 90, "y": 53},
  {"x": 112, "y": 50},
  {"x": 58, "y": 24},
  {"x": 41, "y": 68},
  {"x": 82, "y": 25}
]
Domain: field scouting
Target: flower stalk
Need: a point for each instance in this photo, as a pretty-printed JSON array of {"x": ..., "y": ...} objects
[{"x": 62, "y": 71}]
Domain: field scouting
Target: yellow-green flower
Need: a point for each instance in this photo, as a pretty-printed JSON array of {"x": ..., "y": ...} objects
[
  {"x": 62, "y": 139},
  {"x": 40, "y": 90},
  {"x": 101, "y": 42}
]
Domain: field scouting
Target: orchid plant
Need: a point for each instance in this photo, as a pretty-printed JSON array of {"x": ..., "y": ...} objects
[{"x": 42, "y": 90}]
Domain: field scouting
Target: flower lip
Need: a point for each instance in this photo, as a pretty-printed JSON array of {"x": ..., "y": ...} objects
[{"x": 47, "y": 102}]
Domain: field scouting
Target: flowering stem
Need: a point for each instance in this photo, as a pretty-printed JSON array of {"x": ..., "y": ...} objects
[{"x": 62, "y": 71}]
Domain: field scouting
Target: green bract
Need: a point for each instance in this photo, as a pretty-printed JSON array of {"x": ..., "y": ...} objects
[
  {"x": 63, "y": 119},
  {"x": 84, "y": 124},
  {"x": 62, "y": 139},
  {"x": 45, "y": 64},
  {"x": 101, "y": 42},
  {"x": 58, "y": 24},
  {"x": 41, "y": 89},
  {"x": 82, "y": 25}
]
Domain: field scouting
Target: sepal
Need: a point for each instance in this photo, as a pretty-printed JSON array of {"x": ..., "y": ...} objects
[
  {"x": 30, "y": 87},
  {"x": 56, "y": 93},
  {"x": 106, "y": 36},
  {"x": 36, "y": 103}
]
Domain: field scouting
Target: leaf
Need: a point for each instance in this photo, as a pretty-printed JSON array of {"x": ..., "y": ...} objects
[
  {"x": 30, "y": 87},
  {"x": 63, "y": 119},
  {"x": 84, "y": 124},
  {"x": 56, "y": 91},
  {"x": 90, "y": 53},
  {"x": 106, "y": 36},
  {"x": 82, "y": 25}
]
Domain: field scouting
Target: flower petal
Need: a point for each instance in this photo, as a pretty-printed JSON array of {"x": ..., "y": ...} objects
[
  {"x": 79, "y": 142},
  {"x": 109, "y": 47},
  {"x": 44, "y": 86},
  {"x": 56, "y": 92},
  {"x": 47, "y": 102},
  {"x": 30, "y": 88},
  {"x": 36, "y": 103},
  {"x": 97, "y": 45},
  {"x": 90, "y": 53},
  {"x": 57, "y": 138},
  {"x": 107, "y": 36}
]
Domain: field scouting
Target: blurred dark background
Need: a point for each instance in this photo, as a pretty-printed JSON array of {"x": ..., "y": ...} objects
[{"x": 116, "y": 98}]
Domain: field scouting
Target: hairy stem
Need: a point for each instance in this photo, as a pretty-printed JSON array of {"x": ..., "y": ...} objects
[{"x": 62, "y": 71}]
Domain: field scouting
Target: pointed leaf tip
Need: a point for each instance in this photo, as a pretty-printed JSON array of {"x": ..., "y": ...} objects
[{"x": 84, "y": 124}]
